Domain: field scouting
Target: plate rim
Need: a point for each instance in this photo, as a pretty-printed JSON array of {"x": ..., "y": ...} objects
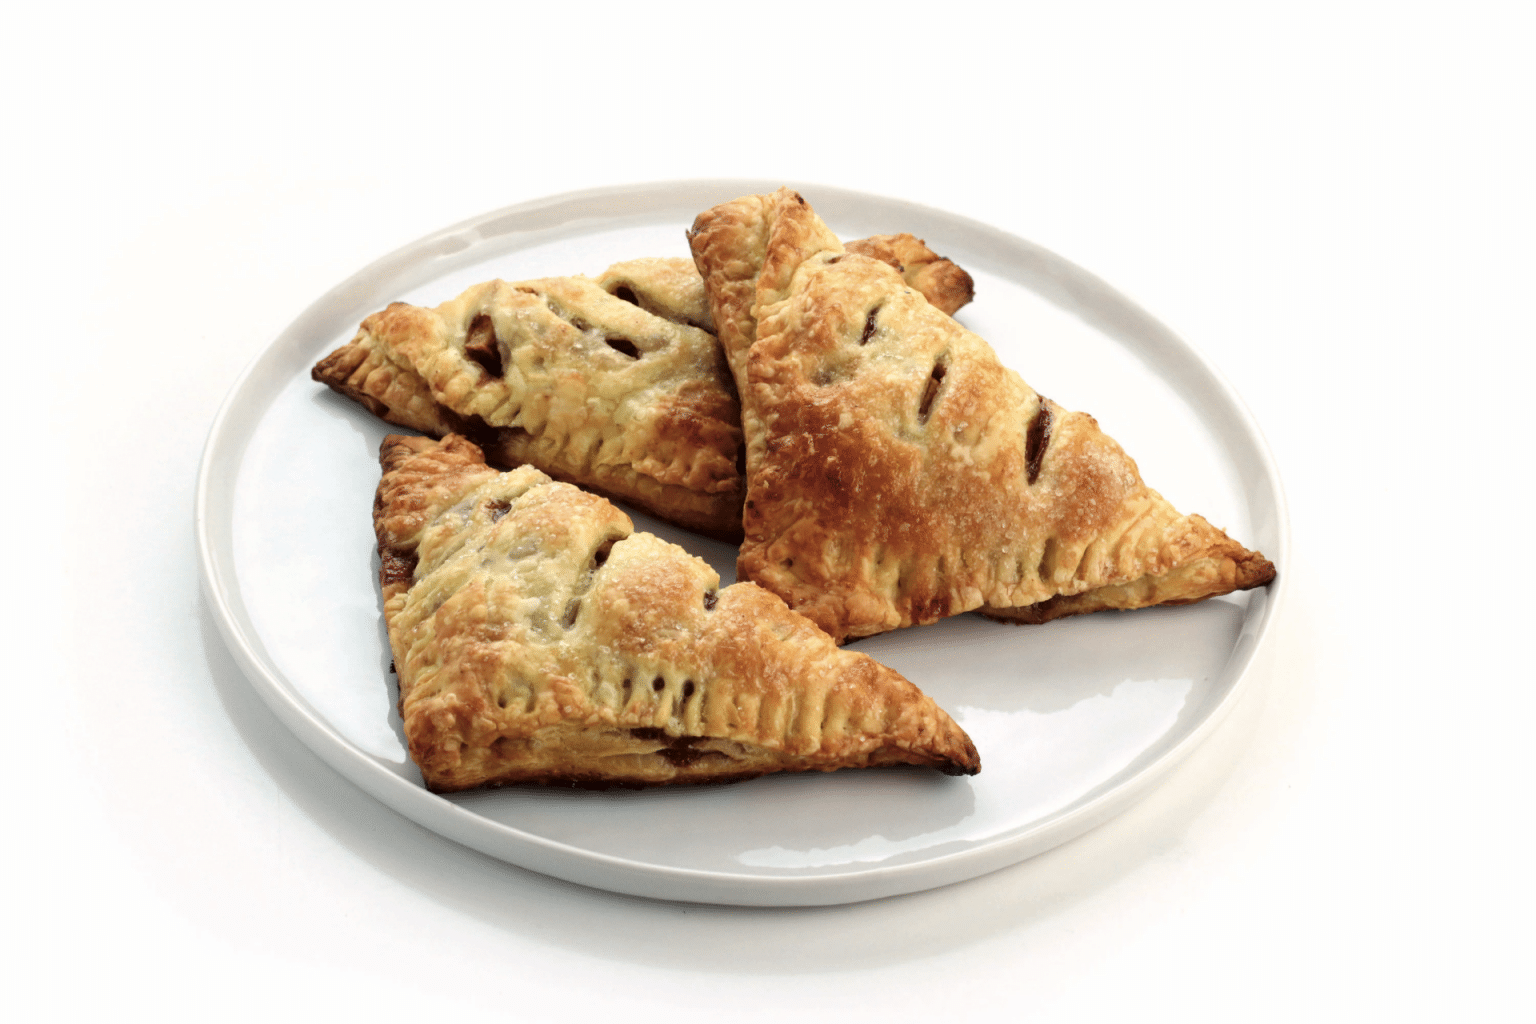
[{"x": 1061, "y": 282}]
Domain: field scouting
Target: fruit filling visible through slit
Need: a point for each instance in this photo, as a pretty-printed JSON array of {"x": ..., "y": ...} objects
[
  {"x": 482, "y": 346},
  {"x": 869, "y": 326},
  {"x": 930, "y": 392}
]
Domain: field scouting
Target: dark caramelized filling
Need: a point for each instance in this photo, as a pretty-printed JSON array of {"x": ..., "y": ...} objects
[
  {"x": 869, "y": 326},
  {"x": 623, "y": 345},
  {"x": 682, "y": 757},
  {"x": 481, "y": 345},
  {"x": 1036, "y": 440},
  {"x": 931, "y": 391},
  {"x": 489, "y": 438},
  {"x": 679, "y": 749}
]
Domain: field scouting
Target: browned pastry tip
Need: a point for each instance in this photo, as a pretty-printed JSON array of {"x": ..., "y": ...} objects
[
  {"x": 942, "y": 282},
  {"x": 1219, "y": 572}
]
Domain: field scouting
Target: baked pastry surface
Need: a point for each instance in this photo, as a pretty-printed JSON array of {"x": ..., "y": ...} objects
[
  {"x": 942, "y": 282},
  {"x": 612, "y": 383},
  {"x": 898, "y": 473},
  {"x": 537, "y": 638},
  {"x": 560, "y": 374},
  {"x": 668, "y": 287}
]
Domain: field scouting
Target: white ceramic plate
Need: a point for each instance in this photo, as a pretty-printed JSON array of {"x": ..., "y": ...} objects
[{"x": 1074, "y": 720}]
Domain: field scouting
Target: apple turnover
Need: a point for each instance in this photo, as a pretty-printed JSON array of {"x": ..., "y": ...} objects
[
  {"x": 613, "y": 383},
  {"x": 898, "y": 473},
  {"x": 538, "y": 638}
]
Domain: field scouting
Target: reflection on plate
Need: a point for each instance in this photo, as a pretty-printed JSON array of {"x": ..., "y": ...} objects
[{"x": 1073, "y": 719}]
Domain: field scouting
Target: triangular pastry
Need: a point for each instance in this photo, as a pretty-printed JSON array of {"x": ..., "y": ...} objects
[
  {"x": 537, "y": 638},
  {"x": 898, "y": 473},
  {"x": 566, "y": 374},
  {"x": 560, "y": 374}
]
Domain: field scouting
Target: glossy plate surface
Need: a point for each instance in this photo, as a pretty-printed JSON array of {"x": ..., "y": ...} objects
[{"x": 1073, "y": 719}]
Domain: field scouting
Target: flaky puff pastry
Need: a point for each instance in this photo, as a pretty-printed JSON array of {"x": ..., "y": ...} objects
[
  {"x": 537, "y": 638},
  {"x": 559, "y": 374},
  {"x": 898, "y": 473},
  {"x": 566, "y": 374}
]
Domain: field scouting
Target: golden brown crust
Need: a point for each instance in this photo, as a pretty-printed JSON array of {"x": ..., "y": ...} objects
[
  {"x": 1223, "y": 571},
  {"x": 665, "y": 438},
  {"x": 595, "y": 381},
  {"x": 538, "y": 639},
  {"x": 363, "y": 371},
  {"x": 670, "y": 288},
  {"x": 944, "y": 284},
  {"x": 731, "y": 246},
  {"x": 559, "y": 374},
  {"x": 897, "y": 472}
]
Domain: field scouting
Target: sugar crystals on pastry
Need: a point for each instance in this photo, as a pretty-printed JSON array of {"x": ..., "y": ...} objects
[
  {"x": 538, "y": 638},
  {"x": 897, "y": 472}
]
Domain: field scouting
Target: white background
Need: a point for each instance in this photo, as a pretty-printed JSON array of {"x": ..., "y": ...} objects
[{"x": 1333, "y": 203}]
